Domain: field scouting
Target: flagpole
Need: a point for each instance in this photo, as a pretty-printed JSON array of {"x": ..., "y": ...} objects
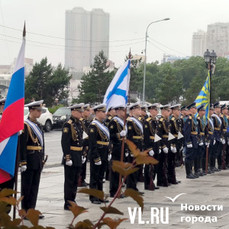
[
  {"x": 123, "y": 139},
  {"x": 18, "y": 150}
]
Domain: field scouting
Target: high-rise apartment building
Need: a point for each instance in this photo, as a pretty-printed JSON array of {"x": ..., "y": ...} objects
[
  {"x": 198, "y": 43},
  {"x": 86, "y": 34},
  {"x": 216, "y": 38}
]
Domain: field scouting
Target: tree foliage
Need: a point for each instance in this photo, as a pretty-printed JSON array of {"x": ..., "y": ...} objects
[{"x": 47, "y": 83}]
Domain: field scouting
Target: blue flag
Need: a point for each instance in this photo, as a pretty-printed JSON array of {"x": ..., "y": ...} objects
[{"x": 204, "y": 96}]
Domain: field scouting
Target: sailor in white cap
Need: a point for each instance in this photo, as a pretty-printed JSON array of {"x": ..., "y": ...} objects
[
  {"x": 134, "y": 134},
  {"x": 72, "y": 146},
  {"x": 31, "y": 156},
  {"x": 163, "y": 132},
  {"x": 99, "y": 139}
]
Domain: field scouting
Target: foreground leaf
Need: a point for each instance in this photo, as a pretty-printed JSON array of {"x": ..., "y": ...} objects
[
  {"x": 9, "y": 200},
  {"x": 76, "y": 209},
  {"x": 142, "y": 159},
  {"x": 33, "y": 216},
  {"x": 111, "y": 210},
  {"x": 7, "y": 192},
  {"x": 86, "y": 224},
  {"x": 135, "y": 195},
  {"x": 133, "y": 148},
  {"x": 113, "y": 223},
  {"x": 122, "y": 164},
  {"x": 124, "y": 171},
  {"x": 93, "y": 192}
]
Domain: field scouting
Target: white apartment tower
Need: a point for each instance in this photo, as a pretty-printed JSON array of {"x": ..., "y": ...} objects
[
  {"x": 198, "y": 43},
  {"x": 218, "y": 38},
  {"x": 86, "y": 34}
]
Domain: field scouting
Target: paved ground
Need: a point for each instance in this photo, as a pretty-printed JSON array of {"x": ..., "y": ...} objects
[{"x": 206, "y": 191}]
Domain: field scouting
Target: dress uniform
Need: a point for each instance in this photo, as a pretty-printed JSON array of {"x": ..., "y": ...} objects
[
  {"x": 191, "y": 140},
  {"x": 99, "y": 138},
  {"x": 150, "y": 129},
  {"x": 163, "y": 132},
  {"x": 217, "y": 148},
  {"x": 31, "y": 156},
  {"x": 210, "y": 139},
  {"x": 85, "y": 125},
  {"x": 134, "y": 134},
  {"x": 72, "y": 147},
  {"x": 110, "y": 114},
  {"x": 224, "y": 135},
  {"x": 174, "y": 146},
  {"x": 117, "y": 133},
  {"x": 200, "y": 159}
]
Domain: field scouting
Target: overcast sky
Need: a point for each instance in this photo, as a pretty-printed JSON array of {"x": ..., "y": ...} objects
[{"x": 128, "y": 22}]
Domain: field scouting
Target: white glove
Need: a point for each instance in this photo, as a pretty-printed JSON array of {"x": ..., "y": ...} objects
[
  {"x": 83, "y": 159},
  {"x": 181, "y": 148},
  {"x": 23, "y": 168},
  {"x": 223, "y": 141},
  {"x": 69, "y": 163},
  {"x": 165, "y": 150},
  {"x": 98, "y": 163},
  {"x": 173, "y": 149},
  {"x": 207, "y": 144},
  {"x": 109, "y": 156},
  {"x": 201, "y": 144},
  {"x": 123, "y": 133},
  {"x": 214, "y": 142},
  {"x": 151, "y": 153},
  {"x": 126, "y": 154},
  {"x": 159, "y": 151},
  {"x": 189, "y": 145}
]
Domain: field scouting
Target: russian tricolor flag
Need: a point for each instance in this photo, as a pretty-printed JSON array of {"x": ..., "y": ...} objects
[{"x": 12, "y": 119}]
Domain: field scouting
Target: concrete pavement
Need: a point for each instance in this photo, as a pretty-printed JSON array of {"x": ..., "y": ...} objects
[{"x": 207, "y": 192}]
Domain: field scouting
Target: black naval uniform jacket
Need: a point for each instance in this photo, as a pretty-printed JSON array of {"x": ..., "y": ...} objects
[
  {"x": 72, "y": 142},
  {"x": 224, "y": 126},
  {"x": 115, "y": 128},
  {"x": 134, "y": 133},
  {"x": 85, "y": 127},
  {"x": 98, "y": 144},
  {"x": 174, "y": 129},
  {"x": 150, "y": 129},
  {"x": 163, "y": 131},
  {"x": 31, "y": 151}
]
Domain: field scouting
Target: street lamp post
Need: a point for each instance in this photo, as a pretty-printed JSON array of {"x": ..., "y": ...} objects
[
  {"x": 210, "y": 60},
  {"x": 144, "y": 76}
]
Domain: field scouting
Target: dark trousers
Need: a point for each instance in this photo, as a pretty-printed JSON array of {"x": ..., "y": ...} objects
[
  {"x": 149, "y": 171},
  {"x": 189, "y": 158},
  {"x": 162, "y": 175},
  {"x": 132, "y": 179},
  {"x": 30, "y": 180},
  {"x": 171, "y": 167},
  {"x": 114, "y": 182},
  {"x": 96, "y": 176},
  {"x": 83, "y": 172},
  {"x": 71, "y": 176},
  {"x": 217, "y": 148}
]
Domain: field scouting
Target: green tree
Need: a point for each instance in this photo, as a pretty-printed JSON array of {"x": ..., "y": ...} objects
[
  {"x": 170, "y": 88},
  {"x": 47, "y": 83},
  {"x": 95, "y": 83}
]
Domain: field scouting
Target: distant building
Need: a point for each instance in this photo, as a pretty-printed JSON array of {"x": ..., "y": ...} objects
[
  {"x": 172, "y": 59},
  {"x": 86, "y": 34},
  {"x": 5, "y": 69},
  {"x": 199, "y": 43},
  {"x": 216, "y": 38}
]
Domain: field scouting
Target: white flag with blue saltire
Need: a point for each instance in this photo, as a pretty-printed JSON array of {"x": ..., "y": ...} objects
[{"x": 117, "y": 92}]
